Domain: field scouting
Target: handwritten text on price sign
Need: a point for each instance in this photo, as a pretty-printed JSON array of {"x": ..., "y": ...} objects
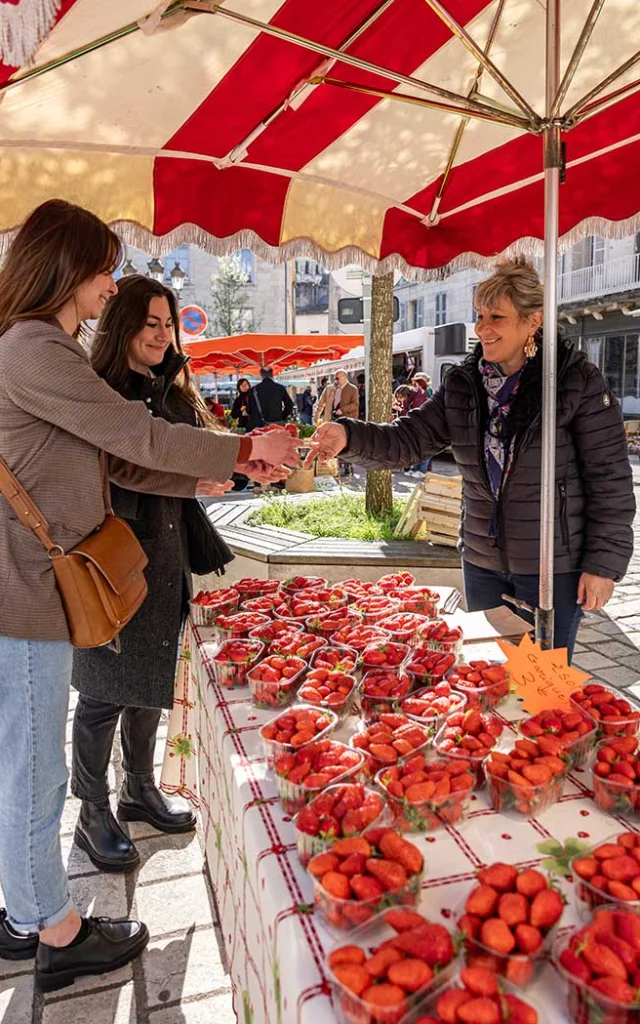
[{"x": 542, "y": 678}]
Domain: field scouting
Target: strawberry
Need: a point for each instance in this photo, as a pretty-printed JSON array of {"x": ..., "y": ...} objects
[
  {"x": 365, "y": 888},
  {"x": 479, "y": 1011},
  {"x": 429, "y": 942},
  {"x": 403, "y": 920},
  {"x": 627, "y": 926},
  {"x": 353, "y": 977},
  {"x": 384, "y": 996},
  {"x": 411, "y": 975},
  {"x": 530, "y": 883},
  {"x": 497, "y": 936},
  {"x": 622, "y": 949},
  {"x": 546, "y": 909},
  {"x": 482, "y": 901},
  {"x": 376, "y": 966},
  {"x": 513, "y": 908},
  {"x": 499, "y": 876},
  {"x": 324, "y": 862},
  {"x": 353, "y": 865},
  {"x": 450, "y": 1003},
  {"x": 517, "y": 1011},
  {"x": 395, "y": 847},
  {"x": 328, "y": 828},
  {"x": 353, "y": 844},
  {"x": 603, "y": 961},
  {"x": 528, "y": 938},
  {"x": 391, "y": 876},
  {"x": 479, "y": 981},
  {"x": 347, "y": 955},
  {"x": 615, "y": 988}
]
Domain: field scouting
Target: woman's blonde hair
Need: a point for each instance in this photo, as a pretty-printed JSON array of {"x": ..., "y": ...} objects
[{"x": 516, "y": 280}]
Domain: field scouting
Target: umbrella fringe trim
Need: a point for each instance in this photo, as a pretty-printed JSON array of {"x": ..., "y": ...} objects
[
  {"x": 23, "y": 27},
  {"x": 191, "y": 234}
]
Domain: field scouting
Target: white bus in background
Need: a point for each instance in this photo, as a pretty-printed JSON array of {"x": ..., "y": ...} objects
[{"x": 430, "y": 350}]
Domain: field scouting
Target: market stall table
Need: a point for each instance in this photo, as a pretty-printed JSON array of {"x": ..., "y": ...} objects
[{"x": 275, "y": 942}]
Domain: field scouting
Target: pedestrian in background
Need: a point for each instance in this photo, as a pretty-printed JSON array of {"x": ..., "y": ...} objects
[
  {"x": 336, "y": 399},
  {"x": 305, "y": 403},
  {"x": 269, "y": 402},
  {"x": 240, "y": 407},
  {"x": 362, "y": 396}
]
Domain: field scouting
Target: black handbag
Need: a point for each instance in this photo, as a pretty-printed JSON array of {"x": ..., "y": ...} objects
[{"x": 207, "y": 550}]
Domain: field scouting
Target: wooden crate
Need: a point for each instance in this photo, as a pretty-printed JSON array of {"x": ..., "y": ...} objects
[{"x": 433, "y": 511}]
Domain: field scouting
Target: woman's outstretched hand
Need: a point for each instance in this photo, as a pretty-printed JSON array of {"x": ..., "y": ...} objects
[
  {"x": 327, "y": 442},
  {"x": 212, "y": 488},
  {"x": 277, "y": 448},
  {"x": 593, "y": 591}
]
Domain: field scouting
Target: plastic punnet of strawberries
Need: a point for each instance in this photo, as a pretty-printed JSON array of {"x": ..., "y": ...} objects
[
  {"x": 338, "y": 812},
  {"x": 335, "y": 690},
  {"x": 528, "y": 777},
  {"x": 295, "y": 583},
  {"x": 359, "y": 636},
  {"x": 396, "y": 581},
  {"x": 275, "y": 680},
  {"x": 440, "y": 636},
  {"x": 270, "y": 630},
  {"x": 300, "y": 776},
  {"x": 404, "y": 626},
  {"x": 380, "y": 690},
  {"x": 390, "y": 740},
  {"x": 239, "y": 624},
  {"x": 264, "y": 604},
  {"x": 301, "y": 644},
  {"x": 389, "y": 967},
  {"x": 253, "y": 586},
  {"x": 575, "y": 732},
  {"x": 599, "y": 963},
  {"x": 479, "y": 998},
  {"x": 358, "y": 877},
  {"x": 609, "y": 872},
  {"x": 469, "y": 735},
  {"x": 485, "y": 684},
  {"x": 233, "y": 659},
  {"x": 335, "y": 659},
  {"x": 291, "y": 729},
  {"x": 422, "y": 600},
  {"x": 432, "y": 705},
  {"x": 374, "y": 607},
  {"x": 207, "y": 605},
  {"x": 425, "y": 795},
  {"x": 509, "y": 916},
  {"x": 387, "y": 654},
  {"x": 427, "y": 667},
  {"x": 326, "y": 623},
  {"x": 616, "y": 776},
  {"x": 613, "y": 715}
]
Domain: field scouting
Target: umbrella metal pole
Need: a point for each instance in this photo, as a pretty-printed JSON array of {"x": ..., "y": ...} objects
[{"x": 552, "y": 163}]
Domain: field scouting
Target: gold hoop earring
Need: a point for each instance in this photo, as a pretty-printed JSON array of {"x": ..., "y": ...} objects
[{"x": 531, "y": 347}]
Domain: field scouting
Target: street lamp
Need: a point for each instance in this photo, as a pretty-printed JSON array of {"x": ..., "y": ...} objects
[
  {"x": 156, "y": 270},
  {"x": 129, "y": 269},
  {"x": 178, "y": 277}
]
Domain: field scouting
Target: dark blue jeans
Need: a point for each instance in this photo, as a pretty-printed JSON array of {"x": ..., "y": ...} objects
[{"x": 483, "y": 588}]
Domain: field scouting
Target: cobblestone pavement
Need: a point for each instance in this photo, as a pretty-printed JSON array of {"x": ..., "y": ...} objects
[{"x": 182, "y": 977}]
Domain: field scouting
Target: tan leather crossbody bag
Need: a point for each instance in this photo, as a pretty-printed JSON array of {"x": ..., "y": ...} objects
[{"x": 101, "y": 581}]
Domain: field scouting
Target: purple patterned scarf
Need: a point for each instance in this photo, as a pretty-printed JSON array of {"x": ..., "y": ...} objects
[{"x": 498, "y": 446}]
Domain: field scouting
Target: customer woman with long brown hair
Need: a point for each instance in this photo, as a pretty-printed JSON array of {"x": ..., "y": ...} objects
[
  {"x": 57, "y": 418},
  {"x": 137, "y": 350}
]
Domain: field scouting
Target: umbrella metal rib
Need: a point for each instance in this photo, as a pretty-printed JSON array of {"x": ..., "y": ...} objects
[
  {"x": 573, "y": 114},
  {"x": 576, "y": 57}
]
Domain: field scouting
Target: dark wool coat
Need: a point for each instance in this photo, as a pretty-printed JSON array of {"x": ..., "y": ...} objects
[
  {"x": 143, "y": 674},
  {"x": 594, "y": 501}
]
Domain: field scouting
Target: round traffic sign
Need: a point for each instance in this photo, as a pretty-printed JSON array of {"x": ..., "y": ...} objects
[{"x": 193, "y": 321}]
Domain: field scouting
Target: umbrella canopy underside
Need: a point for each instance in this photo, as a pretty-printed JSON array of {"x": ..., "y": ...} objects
[{"x": 397, "y": 133}]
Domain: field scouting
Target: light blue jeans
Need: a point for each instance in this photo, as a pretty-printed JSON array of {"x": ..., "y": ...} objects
[{"x": 35, "y": 676}]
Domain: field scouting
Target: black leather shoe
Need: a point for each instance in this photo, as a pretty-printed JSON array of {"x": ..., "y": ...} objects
[
  {"x": 100, "y": 836},
  {"x": 141, "y": 800},
  {"x": 110, "y": 944},
  {"x": 13, "y": 945}
]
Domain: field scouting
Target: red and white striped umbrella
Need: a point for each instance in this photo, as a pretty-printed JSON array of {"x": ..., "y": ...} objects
[{"x": 393, "y": 132}]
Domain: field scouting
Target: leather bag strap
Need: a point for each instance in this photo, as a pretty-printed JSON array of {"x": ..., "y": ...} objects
[{"x": 26, "y": 510}]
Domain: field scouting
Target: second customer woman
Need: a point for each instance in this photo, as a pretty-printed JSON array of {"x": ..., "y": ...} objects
[{"x": 137, "y": 350}]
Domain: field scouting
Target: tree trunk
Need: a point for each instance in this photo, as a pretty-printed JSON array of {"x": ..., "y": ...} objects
[{"x": 379, "y": 493}]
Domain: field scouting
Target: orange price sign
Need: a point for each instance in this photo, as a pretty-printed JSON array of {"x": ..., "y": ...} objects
[{"x": 542, "y": 678}]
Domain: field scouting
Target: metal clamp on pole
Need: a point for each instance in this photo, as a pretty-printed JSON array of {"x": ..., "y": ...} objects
[{"x": 522, "y": 606}]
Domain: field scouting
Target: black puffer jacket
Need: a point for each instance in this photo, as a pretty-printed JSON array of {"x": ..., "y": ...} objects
[{"x": 594, "y": 504}]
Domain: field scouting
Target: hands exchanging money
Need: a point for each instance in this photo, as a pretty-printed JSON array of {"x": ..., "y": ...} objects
[{"x": 327, "y": 442}]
